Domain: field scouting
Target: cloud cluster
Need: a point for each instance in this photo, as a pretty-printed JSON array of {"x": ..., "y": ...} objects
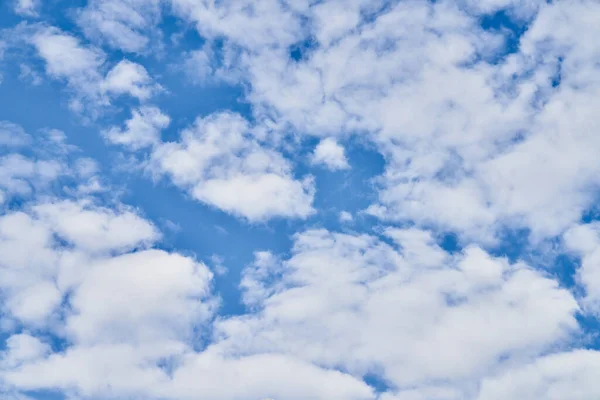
[
  {"x": 221, "y": 162},
  {"x": 483, "y": 129},
  {"x": 477, "y": 137},
  {"x": 92, "y": 81}
]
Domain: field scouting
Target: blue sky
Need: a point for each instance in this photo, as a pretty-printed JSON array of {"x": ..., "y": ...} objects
[{"x": 288, "y": 200}]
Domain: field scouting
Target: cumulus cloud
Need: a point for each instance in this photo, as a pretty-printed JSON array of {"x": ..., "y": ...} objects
[
  {"x": 481, "y": 131},
  {"x": 329, "y": 153},
  {"x": 27, "y": 8},
  {"x": 83, "y": 67},
  {"x": 221, "y": 163},
  {"x": 473, "y": 143},
  {"x": 13, "y": 135},
  {"x": 125, "y": 25},
  {"x": 129, "y": 78},
  {"x": 341, "y": 300},
  {"x": 141, "y": 130},
  {"x": 565, "y": 375}
]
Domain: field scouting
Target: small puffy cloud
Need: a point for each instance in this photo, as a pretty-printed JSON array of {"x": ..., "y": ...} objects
[
  {"x": 13, "y": 135},
  {"x": 222, "y": 164},
  {"x": 83, "y": 67},
  {"x": 28, "y": 74},
  {"x": 20, "y": 175},
  {"x": 124, "y": 25},
  {"x": 345, "y": 217},
  {"x": 27, "y": 8},
  {"x": 253, "y": 24},
  {"x": 144, "y": 297},
  {"x": 198, "y": 65},
  {"x": 21, "y": 348},
  {"x": 584, "y": 241},
  {"x": 141, "y": 130},
  {"x": 65, "y": 56},
  {"x": 331, "y": 154},
  {"x": 260, "y": 376},
  {"x": 96, "y": 229},
  {"x": 129, "y": 78}
]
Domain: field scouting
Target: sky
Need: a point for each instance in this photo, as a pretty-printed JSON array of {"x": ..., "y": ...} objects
[{"x": 299, "y": 200}]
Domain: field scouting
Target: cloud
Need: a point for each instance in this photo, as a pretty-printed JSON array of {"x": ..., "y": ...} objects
[
  {"x": 346, "y": 217},
  {"x": 221, "y": 163},
  {"x": 27, "y": 8},
  {"x": 141, "y": 130},
  {"x": 12, "y": 135},
  {"x": 85, "y": 70},
  {"x": 129, "y": 78},
  {"x": 329, "y": 153},
  {"x": 33, "y": 165},
  {"x": 471, "y": 135},
  {"x": 477, "y": 138},
  {"x": 564, "y": 375},
  {"x": 340, "y": 300},
  {"x": 125, "y": 25},
  {"x": 584, "y": 242}
]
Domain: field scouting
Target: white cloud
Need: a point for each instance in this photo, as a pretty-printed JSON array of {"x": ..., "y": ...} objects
[
  {"x": 27, "y": 8},
  {"x": 129, "y": 78},
  {"x": 470, "y": 145},
  {"x": 125, "y": 25},
  {"x": 572, "y": 375},
  {"x": 13, "y": 135},
  {"x": 345, "y": 217},
  {"x": 21, "y": 348},
  {"x": 584, "y": 241},
  {"x": 329, "y": 153},
  {"x": 340, "y": 300},
  {"x": 149, "y": 297},
  {"x": 29, "y": 75},
  {"x": 96, "y": 229},
  {"x": 141, "y": 130},
  {"x": 222, "y": 164},
  {"x": 254, "y": 24},
  {"x": 83, "y": 68},
  {"x": 19, "y": 175},
  {"x": 198, "y": 65}
]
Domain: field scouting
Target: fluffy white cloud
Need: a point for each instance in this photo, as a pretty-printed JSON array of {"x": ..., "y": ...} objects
[
  {"x": 572, "y": 375},
  {"x": 27, "y": 8},
  {"x": 223, "y": 164},
  {"x": 125, "y": 25},
  {"x": 343, "y": 300},
  {"x": 129, "y": 78},
  {"x": 21, "y": 348},
  {"x": 84, "y": 67},
  {"x": 254, "y": 24},
  {"x": 474, "y": 141},
  {"x": 345, "y": 216},
  {"x": 12, "y": 135},
  {"x": 20, "y": 175},
  {"x": 584, "y": 241},
  {"x": 329, "y": 153},
  {"x": 141, "y": 130}
]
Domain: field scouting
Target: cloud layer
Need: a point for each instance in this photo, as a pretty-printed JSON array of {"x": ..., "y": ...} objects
[{"x": 409, "y": 191}]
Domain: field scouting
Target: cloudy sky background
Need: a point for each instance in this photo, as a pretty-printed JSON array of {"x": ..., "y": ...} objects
[{"x": 295, "y": 200}]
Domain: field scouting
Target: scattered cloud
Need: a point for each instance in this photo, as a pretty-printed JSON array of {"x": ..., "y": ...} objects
[
  {"x": 483, "y": 114},
  {"x": 221, "y": 163},
  {"x": 329, "y": 153}
]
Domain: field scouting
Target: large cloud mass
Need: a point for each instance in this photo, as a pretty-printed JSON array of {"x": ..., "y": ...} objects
[{"x": 455, "y": 143}]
